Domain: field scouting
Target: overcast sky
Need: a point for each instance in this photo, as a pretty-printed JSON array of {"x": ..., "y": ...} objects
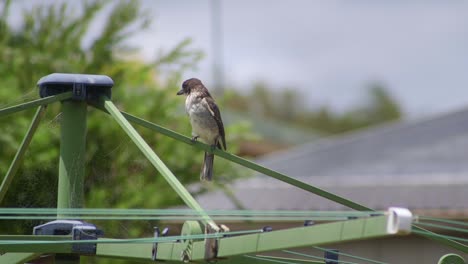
[{"x": 328, "y": 50}]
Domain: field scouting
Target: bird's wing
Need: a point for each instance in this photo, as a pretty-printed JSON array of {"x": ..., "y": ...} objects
[{"x": 210, "y": 104}]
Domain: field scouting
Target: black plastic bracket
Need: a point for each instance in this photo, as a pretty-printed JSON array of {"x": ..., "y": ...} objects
[
  {"x": 157, "y": 234},
  {"x": 85, "y": 87},
  {"x": 78, "y": 230},
  {"x": 331, "y": 256}
]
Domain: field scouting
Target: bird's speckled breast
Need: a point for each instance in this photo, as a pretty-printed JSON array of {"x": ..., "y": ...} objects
[{"x": 203, "y": 123}]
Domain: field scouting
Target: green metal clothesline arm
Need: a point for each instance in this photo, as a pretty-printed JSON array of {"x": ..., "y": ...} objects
[
  {"x": 446, "y": 241},
  {"x": 28, "y": 247},
  {"x": 242, "y": 161},
  {"x": 35, "y": 103},
  {"x": 350, "y": 230},
  {"x": 21, "y": 151},
  {"x": 157, "y": 162},
  {"x": 272, "y": 173},
  {"x": 18, "y": 257},
  {"x": 230, "y": 246},
  {"x": 246, "y": 163}
]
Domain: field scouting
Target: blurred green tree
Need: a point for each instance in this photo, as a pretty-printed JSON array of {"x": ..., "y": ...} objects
[
  {"x": 287, "y": 105},
  {"x": 55, "y": 38}
]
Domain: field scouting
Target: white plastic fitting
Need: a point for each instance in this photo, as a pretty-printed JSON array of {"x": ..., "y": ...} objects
[{"x": 399, "y": 221}]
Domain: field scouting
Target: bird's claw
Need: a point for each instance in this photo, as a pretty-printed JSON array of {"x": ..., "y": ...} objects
[{"x": 194, "y": 139}]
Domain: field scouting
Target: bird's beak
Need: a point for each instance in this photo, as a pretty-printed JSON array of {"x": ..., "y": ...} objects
[{"x": 180, "y": 92}]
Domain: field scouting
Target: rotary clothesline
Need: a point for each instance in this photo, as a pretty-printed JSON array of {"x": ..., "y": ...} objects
[
  {"x": 123, "y": 118},
  {"x": 185, "y": 237},
  {"x": 223, "y": 215}
]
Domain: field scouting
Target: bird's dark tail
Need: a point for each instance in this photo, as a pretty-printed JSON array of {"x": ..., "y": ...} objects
[{"x": 207, "y": 169}]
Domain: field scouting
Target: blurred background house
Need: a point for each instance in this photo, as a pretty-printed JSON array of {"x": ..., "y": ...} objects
[{"x": 419, "y": 165}]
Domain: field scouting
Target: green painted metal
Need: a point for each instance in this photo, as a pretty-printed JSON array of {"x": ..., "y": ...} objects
[
  {"x": 21, "y": 151},
  {"x": 350, "y": 230},
  {"x": 440, "y": 239},
  {"x": 177, "y": 214},
  {"x": 72, "y": 155},
  {"x": 284, "y": 259},
  {"x": 246, "y": 163},
  {"x": 444, "y": 227},
  {"x": 305, "y": 236},
  {"x": 29, "y": 246},
  {"x": 138, "y": 252},
  {"x": 193, "y": 228},
  {"x": 157, "y": 162},
  {"x": 451, "y": 259},
  {"x": 35, "y": 103},
  {"x": 272, "y": 173},
  {"x": 18, "y": 257},
  {"x": 422, "y": 219},
  {"x": 72, "y": 162},
  {"x": 235, "y": 214}
]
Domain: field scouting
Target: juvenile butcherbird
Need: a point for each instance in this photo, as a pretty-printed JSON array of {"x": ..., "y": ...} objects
[{"x": 205, "y": 119}]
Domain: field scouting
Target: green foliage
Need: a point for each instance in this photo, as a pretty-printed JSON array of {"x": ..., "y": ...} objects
[
  {"x": 51, "y": 39},
  {"x": 287, "y": 106}
]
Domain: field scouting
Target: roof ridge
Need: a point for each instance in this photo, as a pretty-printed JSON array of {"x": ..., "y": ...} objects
[{"x": 358, "y": 134}]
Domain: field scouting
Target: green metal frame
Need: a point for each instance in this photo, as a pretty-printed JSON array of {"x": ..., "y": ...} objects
[
  {"x": 322, "y": 234},
  {"x": 246, "y": 163},
  {"x": 21, "y": 150},
  {"x": 277, "y": 175},
  {"x": 350, "y": 230},
  {"x": 35, "y": 103},
  {"x": 451, "y": 259},
  {"x": 15, "y": 246},
  {"x": 19, "y": 257},
  {"x": 157, "y": 162},
  {"x": 72, "y": 155},
  {"x": 70, "y": 195}
]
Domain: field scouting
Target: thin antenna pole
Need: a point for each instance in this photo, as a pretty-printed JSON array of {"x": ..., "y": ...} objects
[{"x": 217, "y": 46}]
